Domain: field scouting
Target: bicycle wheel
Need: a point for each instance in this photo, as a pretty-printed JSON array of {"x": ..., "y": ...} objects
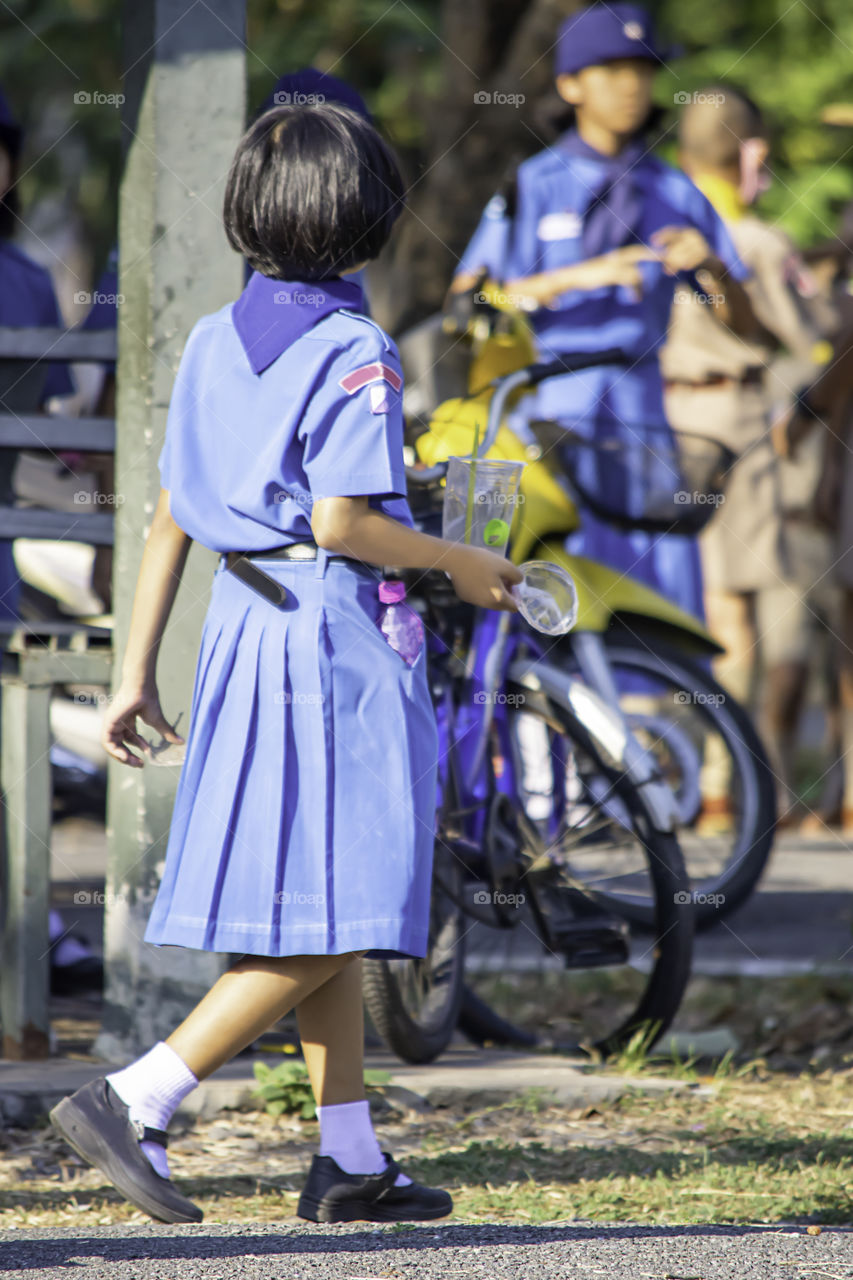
[
  {"x": 594, "y": 838},
  {"x": 414, "y": 1004},
  {"x": 702, "y": 738}
]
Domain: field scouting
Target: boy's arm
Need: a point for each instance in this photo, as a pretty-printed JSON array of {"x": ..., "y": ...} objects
[{"x": 618, "y": 267}]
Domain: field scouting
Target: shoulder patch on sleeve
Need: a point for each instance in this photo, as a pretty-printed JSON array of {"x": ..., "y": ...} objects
[{"x": 376, "y": 371}]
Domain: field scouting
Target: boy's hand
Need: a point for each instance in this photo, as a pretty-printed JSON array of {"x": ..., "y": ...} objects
[
  {"x": 481, "y": 577},
  {"x": 683, "y": 249},
  {"x": 119, "y": 728}
]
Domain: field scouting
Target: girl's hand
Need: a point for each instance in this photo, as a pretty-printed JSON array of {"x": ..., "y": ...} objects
[
  {"x": 481, "y": 577},
  {"x": 682, "y": 249},
  {"x": 119, "y": 728}
]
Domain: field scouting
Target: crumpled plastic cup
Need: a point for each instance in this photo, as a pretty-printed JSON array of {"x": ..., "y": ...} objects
[
  {"x": 166, "y": 753},
  {"x": 547, "y": 598}
]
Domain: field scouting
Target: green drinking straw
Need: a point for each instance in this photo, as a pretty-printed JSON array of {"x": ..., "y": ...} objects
[{"x": 472, "y": 477}]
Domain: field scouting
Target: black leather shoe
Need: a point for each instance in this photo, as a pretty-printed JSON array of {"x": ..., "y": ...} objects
[
  {"x": 95, "y": 1122},
  {"x": 330, "y": 1195}
]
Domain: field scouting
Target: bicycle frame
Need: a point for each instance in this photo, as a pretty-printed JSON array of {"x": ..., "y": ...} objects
[
  {"x": 504, "y": 651},
  {"x": 493, "y": 660}
]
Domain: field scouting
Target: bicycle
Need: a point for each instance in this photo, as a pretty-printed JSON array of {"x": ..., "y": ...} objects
[
  {"x": 646, "y": 657},
  {"x": 610, "y": 830}
]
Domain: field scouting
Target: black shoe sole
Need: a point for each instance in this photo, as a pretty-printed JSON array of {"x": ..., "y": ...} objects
[
  {"x": 74, "y": 1126},
  {"x": 361, "y": 1211}
]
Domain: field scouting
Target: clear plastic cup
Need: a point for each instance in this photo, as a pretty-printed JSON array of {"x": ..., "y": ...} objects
[
  {"x": 166, "y": 753},
  {"x": 480, "y": 512},
  {"x": 547, "y": 598}
]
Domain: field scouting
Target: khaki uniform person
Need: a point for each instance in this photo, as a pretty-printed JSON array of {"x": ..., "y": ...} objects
[{"x": 715, "y": 384}]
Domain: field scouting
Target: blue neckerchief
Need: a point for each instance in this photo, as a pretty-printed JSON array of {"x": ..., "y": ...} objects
[
  {"x": 612, "y": 219},
  {"x": 271, "y": 314}
]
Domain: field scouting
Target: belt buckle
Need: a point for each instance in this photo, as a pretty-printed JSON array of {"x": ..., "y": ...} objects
[{"x": 301, "y": 551}]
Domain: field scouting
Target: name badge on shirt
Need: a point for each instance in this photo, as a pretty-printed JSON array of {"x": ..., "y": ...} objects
[{"x": 565, "y": 225}]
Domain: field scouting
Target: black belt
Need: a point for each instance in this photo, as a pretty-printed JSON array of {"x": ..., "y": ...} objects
[{"x": 240, "y": 564}]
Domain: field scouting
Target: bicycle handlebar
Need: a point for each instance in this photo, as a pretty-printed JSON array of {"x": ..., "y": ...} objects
[{"x": 530, "y": 376}]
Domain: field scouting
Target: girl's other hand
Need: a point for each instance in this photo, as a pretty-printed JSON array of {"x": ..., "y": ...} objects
[
  {"x": 119, "y": 733},
  {"x": 482, "y": 578}
]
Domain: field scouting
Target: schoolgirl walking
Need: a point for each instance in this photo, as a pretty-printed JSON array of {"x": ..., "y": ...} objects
[{"x": 302, "y": 832}]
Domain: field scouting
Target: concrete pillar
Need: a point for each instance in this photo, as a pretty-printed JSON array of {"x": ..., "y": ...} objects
[{"x": 183, "y": 113}]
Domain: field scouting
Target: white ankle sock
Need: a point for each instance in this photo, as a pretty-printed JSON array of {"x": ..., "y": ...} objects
[
  {"x": 346, "y": 1134},
  {"x": 152, "y": 1088}
]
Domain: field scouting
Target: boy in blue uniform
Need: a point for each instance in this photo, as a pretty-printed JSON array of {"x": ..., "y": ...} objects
[
  {"x": 593, "y": 238},
  {"x": 303, "y": 827}
]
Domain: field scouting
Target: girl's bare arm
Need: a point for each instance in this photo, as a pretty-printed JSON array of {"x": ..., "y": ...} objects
[
  {"x": 350, "y": 527},
  {"x": 163, "y": 561}
]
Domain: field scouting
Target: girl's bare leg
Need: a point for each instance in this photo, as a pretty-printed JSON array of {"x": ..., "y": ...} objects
[
  {"x": 331, "y": 1028},
  {"x": 247, "y": 1001}
]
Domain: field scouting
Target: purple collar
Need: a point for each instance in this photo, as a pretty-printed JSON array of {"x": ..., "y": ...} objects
[
  {"x": 614, "y": 214},
  {"x": 271, "y": 314}
]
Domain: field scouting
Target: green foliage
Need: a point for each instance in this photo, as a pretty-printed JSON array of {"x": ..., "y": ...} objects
[
  {"x": 793, "y": 60},
  {"x": 286, "y": 1090}
]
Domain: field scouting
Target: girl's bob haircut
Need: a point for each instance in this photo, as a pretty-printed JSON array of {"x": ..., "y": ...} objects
[{"x": 312, "y": 191}]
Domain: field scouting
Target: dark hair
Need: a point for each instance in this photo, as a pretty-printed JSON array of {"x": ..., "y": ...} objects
[
  {"x": 10, "y": 207},
  {"x": 312, "y": 191}
]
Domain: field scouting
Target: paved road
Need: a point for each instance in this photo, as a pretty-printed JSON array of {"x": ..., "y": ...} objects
[
  {"x": 800, "y": 917},
  {"x": 573, "y": 1251}
]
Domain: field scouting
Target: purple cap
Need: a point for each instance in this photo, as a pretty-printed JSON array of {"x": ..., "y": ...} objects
[
  {"x": 312, "y": 85},
  {"x": 391, "y": 590},
  {"x": 602, "y": 33}
]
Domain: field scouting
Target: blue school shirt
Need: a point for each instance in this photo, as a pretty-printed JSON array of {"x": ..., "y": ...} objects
[
  {"x": 28, "y": 300},
  {"x": 555, "y": 195},
  {"x": 246, "y": 454}
]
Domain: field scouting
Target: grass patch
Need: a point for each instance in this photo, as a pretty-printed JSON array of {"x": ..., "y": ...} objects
[{"x": 756, "y": 1147}]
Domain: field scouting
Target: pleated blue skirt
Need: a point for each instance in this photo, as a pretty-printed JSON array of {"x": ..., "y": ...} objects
[{"x": 304, "y": 815}]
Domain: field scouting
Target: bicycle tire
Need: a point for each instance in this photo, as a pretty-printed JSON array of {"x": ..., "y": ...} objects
[{"x": 734, "y": 725}]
